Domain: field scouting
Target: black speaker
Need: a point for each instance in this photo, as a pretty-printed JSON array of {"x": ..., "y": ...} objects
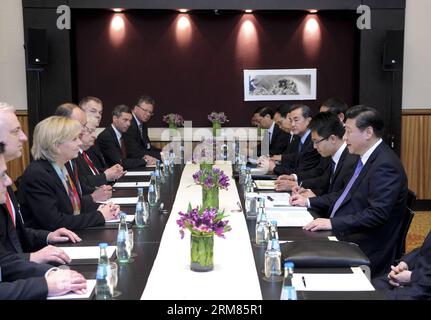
[
  {"x": 393, "y": 50},
  {"x": 37, "y": 47}
]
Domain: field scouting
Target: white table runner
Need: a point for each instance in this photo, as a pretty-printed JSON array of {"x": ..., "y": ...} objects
[{"x": 234, "y": 275}]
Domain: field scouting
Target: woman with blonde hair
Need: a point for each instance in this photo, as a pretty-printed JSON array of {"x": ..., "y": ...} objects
[{"x": 47, "y": 193}]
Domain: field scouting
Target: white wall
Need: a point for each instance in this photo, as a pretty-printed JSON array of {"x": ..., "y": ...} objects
[
  {"x": 13, "y": 87},
  {"x": 417, "y": 55}
]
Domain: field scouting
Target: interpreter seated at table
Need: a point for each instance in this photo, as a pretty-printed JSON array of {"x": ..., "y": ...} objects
[{"x": 47, "y": 193}]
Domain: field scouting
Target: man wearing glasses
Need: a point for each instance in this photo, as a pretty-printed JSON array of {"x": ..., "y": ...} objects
[{"x": 138, "y": 144}]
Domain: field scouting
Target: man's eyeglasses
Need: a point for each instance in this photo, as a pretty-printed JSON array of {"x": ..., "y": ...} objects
[
  {"x": 315, "y": 143},
  {"x": 146, "y": 111}
]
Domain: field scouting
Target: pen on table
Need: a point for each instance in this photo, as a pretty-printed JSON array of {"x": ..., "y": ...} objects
[
  {"x": 303, "y": 281},
  {"x": 239, "y": 205},
  {"x": 269, "y": 198}
]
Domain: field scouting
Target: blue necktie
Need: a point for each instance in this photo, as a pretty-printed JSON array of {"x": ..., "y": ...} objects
[
  {"x": 300, "y": 146},
  {"x": 340, "y": 200}
]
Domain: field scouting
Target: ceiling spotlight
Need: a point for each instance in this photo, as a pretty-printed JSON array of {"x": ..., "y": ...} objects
[
  {"x": 183, "y": 10},
  {"x": 216, "y": 12},
  {"x": 313, "y": 10},
  {"x": 118, "y": 10},
  {"x": 248, "y": 11}
]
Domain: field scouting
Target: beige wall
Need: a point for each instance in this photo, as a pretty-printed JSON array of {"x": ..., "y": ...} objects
[
  {"x": 417, "y": 55},
  {"x": 13, "y": 87}
]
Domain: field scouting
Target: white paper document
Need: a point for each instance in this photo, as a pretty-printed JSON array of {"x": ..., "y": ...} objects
[
  {"x": 122, "y": 200},
  {"x": 71, "y": 295},
  {"x": 278, "y": 199},
  {"x": 356, "y": 281},
  {"x": 138, "y": 173},
  {"x": 129, "y": 218},
  {"x": 289, "y": 216},
  {"x": 132, "y": 184},
  {"x": 90, "y": 252},
  {"x": 252, "y": 161},
  {"x": 265, "y": 184}
]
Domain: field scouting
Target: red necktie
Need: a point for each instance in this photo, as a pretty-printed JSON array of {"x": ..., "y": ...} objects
[
  {"x": 123, "y": 148},
  {"x": 90, "y": 163},
  {"x": 9, "y": 208}
]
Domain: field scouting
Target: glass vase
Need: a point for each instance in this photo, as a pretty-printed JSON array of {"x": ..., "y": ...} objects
[
  {"x": 201, "y": 253},
  {"x": 172, "y": 129},
  {"x": 216, "y": 128},
  {"x": 210, "y": 198},
  {"x": 205, "y": 166}
]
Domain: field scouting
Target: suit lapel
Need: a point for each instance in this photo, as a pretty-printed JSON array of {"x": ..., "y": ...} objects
[{"x": 363, "y": 173}]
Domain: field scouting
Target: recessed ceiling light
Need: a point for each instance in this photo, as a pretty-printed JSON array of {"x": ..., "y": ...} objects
[
  {"x": 248, "y": 11},
  {"x": 118, "y": 9},
  {"x": 183, "y": 10},
  {"x": 313, "y": 10}
]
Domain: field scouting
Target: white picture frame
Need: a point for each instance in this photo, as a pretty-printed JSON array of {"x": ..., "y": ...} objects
[{"x": 279, "y": 84}]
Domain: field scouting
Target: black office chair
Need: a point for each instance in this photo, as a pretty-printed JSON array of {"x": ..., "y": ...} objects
[{"x": 406, "y": 222}]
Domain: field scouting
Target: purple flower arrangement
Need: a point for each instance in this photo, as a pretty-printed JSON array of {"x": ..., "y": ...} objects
[
  {"x": 214, "y": 178},
  {"x": 174, "y": 118},
  {"x": 203, "y": 223},
  {"x": 219, "y": 117}
]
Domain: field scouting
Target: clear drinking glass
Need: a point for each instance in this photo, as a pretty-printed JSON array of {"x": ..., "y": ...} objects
[
  {"x": 114, "y": 279},
  {"x": 130, "y": 245}
]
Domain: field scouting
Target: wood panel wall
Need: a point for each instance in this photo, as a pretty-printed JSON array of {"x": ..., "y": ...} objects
[
  {"x": 17, "y": 166},
  {"x": 416, "y": 150}
]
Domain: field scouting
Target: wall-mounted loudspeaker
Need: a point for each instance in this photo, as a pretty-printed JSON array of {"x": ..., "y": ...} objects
[
  {"x": 393, "y": 50},
  {"x": 37, "y": 47}
]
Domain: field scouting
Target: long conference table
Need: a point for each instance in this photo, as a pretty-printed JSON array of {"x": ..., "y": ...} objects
[{"x": 133, "y": 278}]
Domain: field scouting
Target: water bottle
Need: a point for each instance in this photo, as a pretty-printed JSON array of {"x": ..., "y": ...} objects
[
  {"x": 166, "y": 167},
  {"x": 242, "y": 174},
  {"x": 288, "y": 291},
  {"x": 123, "y": 252},
  {"x": 158, "y": 172},
  {"x": 273, "y": 260},
  {"x": 262, "y": 229},
  {"x": 251, "y": 206},
  {"x": 103, "y": 275},
  {"x": 248, "y": 184},
  {"x": 182, "y": 160},
  {"x": 155, "y": 184},
  {"x": 171, "y": 162},
  {"x": 152, "y": 196},
  {"x": 141, "y": 212},
  {"x": 273, "y": 234}
]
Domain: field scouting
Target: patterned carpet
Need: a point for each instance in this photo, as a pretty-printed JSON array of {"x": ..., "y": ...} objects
[{"x": 419, "y": 229}]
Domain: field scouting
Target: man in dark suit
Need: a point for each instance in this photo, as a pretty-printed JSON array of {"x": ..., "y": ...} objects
[
  {"x": 276, "y": 138},
  {"x": 368, "y": 211},
  {"x": 138, "y": 143},
  {"x": 111, "y": 140},
  {"x": 303, "y": 156},
  {"x": 89, "y": 173},
  {"x": 335, "y": 105},
  {"x": 411, "y": 277},
  {"x": 336, "y": 165}
]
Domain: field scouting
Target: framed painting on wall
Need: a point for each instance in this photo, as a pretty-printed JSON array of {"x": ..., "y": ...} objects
[{"x": 279, "y": 84}]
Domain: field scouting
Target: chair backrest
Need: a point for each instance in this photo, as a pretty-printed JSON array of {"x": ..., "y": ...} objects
[{"x": 406, "y": 222}]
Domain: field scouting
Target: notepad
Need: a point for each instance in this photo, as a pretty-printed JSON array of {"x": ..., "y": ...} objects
[
  {"x": 89, "y": 252},
  {"x": 278, "y": 199},
  {"x": 71, "y": 295},
  {"x": 129, "y": 218},
  {"x": 131, "y": 184},
  {"x": 122, "y": 200},
  {"x": 138, "y": 173},
  {"x": 289, "y": 216},
  {"x": 356, "y": 281},
  {"x": 265, "y": 184}
]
